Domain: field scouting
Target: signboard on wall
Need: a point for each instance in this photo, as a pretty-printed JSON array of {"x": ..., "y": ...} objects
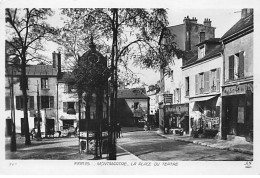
[
  {"x": 177, "y": 109},
  {"x": 167, "y": 98},
  {"x": 237, "y": 89}
]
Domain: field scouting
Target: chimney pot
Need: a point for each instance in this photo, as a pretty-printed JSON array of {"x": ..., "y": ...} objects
[
  {"x": 246, "y": 12},
  {"x": 207, "y": 22}
]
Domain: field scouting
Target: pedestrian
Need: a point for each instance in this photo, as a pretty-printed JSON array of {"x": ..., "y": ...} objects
[
  {"x": 33, "y": 132},
  {"x": 118, "y": 130}
]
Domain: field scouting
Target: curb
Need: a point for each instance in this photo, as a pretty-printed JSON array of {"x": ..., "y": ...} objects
[{"x": 205, "y": 144}]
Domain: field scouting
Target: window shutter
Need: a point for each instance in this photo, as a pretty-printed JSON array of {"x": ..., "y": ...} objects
[
  {"x": 51, "y": 101},
  {"x": 66, "y": 87},
  {"x": 218, "y": 79},
  {"x": 65, "y": 105},
  {"x": 31, "y": 102},
  {"x": 7, "y": 103},
  {"x": 196, "y": 84},
  {"x": 211, "y": 80},
  {"x": 231, "y": 67},
  {"x": 241, "y": 65},
  {"x": 18, "y": 102},
  {"x": 206, "y": 81},
  {"x": 174, "y": 96},
  {"x": 77, "y": 106}
]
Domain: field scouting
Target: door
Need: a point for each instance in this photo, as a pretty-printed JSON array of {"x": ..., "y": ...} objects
[{"x": 49, "y": 126}]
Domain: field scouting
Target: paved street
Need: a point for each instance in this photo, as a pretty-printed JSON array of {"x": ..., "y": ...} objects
[
  {"x": 134, "y": 145},
  {"x": 150, "y": 146}
]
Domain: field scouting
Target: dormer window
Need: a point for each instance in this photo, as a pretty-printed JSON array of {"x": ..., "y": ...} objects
[{"x": 201, "y": 51}]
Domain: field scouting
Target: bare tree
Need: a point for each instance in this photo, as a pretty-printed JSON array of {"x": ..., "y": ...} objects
[{"x": 25, "y": 30}]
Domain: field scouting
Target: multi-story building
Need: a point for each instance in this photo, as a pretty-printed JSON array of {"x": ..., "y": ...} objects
[
  {"x": 237, "y": 115},
  {"x": 172, "y": 85},
  {"x": 202, "y": 78},
  {"x": 42, "y": 78}
]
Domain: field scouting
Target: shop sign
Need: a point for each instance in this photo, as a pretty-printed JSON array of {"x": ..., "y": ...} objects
[
  {"x": 213, "y": 120},
  {"x": 238, "y": 89},
  {"x": 167, "y": 98},
  {"x": 176, "y": 109}
]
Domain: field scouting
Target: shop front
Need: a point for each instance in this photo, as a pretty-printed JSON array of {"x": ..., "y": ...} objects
[
  {"x": 176, "y": 118},
  {"x": 238, "y": 111},
  {"x": 205, "y": 116}
]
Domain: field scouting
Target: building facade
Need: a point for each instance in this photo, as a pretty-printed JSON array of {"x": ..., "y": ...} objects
[
  {"x": 42, "y": 78},
  {"x": 238, "y": 79},
  {"x": 203, "y": 81},
  {"x": 176, "y": 111},
  {"x": 133, "y": 106}
]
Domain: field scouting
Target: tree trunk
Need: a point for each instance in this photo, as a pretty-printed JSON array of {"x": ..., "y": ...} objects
[{"x": 25, "y": 100}]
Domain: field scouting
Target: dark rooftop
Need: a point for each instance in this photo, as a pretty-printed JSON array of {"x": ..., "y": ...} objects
[
  {"x": 239, "y": 26},
  {"x": 35, "y": 70},
  {"x": 132, "y": 93},
  {"x": 212, "y": 53},
  {"x": 211, "y": 40}
]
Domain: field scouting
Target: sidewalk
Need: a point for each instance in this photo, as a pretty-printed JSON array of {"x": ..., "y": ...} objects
[
  {"x": 57, "y": 149},
  {"x": 237, "y": 145}
]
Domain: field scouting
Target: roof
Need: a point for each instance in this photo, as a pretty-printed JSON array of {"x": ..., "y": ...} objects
[
  {"x": 211, "y": 40},
  {"x": 212, "y": 53},
  {"x": 138, "y": 93},
  {"x": 242, "y": 24},
  {"x": 35, "y": 70}
]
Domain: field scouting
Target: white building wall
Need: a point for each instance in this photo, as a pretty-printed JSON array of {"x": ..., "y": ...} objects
[
  {"x": 32, "y": 91},
  {"x": 216, "y": 62}
]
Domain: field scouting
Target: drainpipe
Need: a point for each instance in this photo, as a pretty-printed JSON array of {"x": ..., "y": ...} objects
[
  {"x": 57, "y": 100},
  {"x": 221, "y": 114}
]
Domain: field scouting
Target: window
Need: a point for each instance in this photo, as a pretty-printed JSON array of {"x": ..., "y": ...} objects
[
  {"x": 70, "y": 107},
  {"x": 236, "y": 66},
  {"x": 201, "y": 52},
  {"x": 19, "y": 102},
  {"x": 201, "y": 82},
  {"x": 44, "y": 83},
  {"x": 47, "y": 102},
  {"x": 7, "y": 103},
  {"x": 187, "y": 86},
  {"x": 69, "y": 88},
  {"x": 206, "y": 83},
  {"x": 177, "y": 95},
  {"x": 215, "y": 80},
  {"x": 202, "y": 36},
  {"x": 136, "y": 105}
]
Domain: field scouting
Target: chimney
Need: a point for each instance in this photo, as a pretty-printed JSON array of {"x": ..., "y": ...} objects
[
  {"x": 207, "y": 22},
  {"x": 193, "y": 20},
  {"x": 54, "y": 59},
  {"x": 186, "y": 19},
  {"x": 246, "y": 12},
  {"x": 59, "y": 65}
]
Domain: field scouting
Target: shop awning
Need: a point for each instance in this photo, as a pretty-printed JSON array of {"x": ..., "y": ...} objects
[{"x": 202, "y": 98}]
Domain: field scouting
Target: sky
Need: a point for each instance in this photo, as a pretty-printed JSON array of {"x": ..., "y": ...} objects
[{"x": 222, "y": 18}]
